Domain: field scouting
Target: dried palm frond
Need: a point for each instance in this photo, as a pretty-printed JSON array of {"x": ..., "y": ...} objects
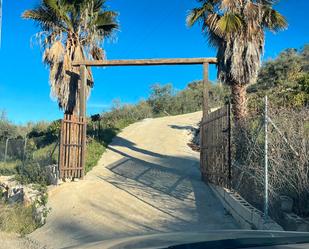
[
  {"x": 54, "y": 54},
  {"x": 97, "y": 53}
]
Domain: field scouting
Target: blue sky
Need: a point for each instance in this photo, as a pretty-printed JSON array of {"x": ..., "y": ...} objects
[{"x": 149, "y": 29}]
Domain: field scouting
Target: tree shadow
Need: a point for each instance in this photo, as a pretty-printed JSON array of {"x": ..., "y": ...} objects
[
  {"x": 183, "y": 127},
  {"x": 178, "y": 185},
  {"x": 121, "y": 142},
  {"x": 163, "y": 179}
]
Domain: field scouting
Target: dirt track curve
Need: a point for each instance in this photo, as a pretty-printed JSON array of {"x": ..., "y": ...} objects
[{"x": 148, "y": 181}]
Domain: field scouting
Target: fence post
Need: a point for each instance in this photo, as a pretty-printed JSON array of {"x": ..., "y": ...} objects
[
  {"x": 205, "y": 113},
  {"x": 6, "y": 149},
  {"x": 266, "y": 159},
  {"x": 229, "y": 159},
  {"x": 205, "y": 90}
]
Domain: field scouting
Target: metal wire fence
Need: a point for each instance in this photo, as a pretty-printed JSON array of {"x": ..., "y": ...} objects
[
  {"x": 18, "y": 152},
  {"x": 271, "y": 158}
]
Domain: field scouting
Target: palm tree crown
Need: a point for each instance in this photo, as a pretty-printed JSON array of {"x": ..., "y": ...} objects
[
  {"x": 236, "y": 29},
  {"x": 71, "y": 30}
]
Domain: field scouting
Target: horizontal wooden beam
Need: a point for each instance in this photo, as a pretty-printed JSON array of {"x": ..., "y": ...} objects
[{"x": 147, "y": 62}]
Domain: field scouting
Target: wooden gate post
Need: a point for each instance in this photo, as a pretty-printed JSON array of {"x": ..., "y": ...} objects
[
  {"x": 82, "y": 94},
  {"x": 205, "y": 90},
  {"x": 82, "y": 114},
  {"x": 205, "y": 113}
]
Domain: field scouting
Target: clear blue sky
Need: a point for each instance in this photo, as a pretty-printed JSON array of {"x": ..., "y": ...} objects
[{"x": 149, "y": 29}]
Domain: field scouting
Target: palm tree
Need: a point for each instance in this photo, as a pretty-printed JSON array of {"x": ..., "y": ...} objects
[
  {"x": 236, "y": 28},
  {"x": 72, "y": 30}
]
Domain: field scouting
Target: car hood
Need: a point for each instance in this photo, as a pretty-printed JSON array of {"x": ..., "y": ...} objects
[{"x": 169, "y": 239}]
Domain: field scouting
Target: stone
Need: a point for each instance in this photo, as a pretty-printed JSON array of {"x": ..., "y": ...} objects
[
  {"x": 286, "y": 204},
  {"x": 30, "y": 196},
  {"x": 39, "y": 215},
  {"x": 16, "y": 195},
  {"x": 52, "y": 174}
]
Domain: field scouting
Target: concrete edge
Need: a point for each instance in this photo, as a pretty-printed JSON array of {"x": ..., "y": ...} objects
[{"x": 247, "y": 216}]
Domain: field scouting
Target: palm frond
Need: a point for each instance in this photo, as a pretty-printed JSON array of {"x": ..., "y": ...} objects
[
  {"x": 97, "y": 53},
  {"x": 199, "y": 14},
  {"x": 230, "y": 5},
  {"x": 107, "y": 22},
  {"x": 59, "y": 8},
  {"x": 54, "y": 54},
  {"x": 98, "y": 5},
  {"x": 273, "y": 20},
  {"x": 46, "y": 19},
  {"x": 227, "y": 24}
]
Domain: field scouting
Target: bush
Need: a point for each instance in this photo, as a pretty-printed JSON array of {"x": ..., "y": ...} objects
[
  {"x": 285, "y": 80},
  {"x": 47, "y": 155},
  {"x": 95, "y": 150},
  {"x": 9, "y": 168},
  {"x": 31, "y": 172},
  {"x": 44, "y": 134}
]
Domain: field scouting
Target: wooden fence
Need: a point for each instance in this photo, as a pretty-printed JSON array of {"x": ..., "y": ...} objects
[
  {"x": 216, "y": 147},
  {"x": 72, "y": 147}
]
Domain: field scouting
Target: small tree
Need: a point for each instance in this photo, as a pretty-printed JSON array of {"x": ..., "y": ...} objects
[{"x": 160, "y": 97}]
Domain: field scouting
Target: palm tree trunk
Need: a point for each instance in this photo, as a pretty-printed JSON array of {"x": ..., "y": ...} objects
[
  {"x": 239, "y": 108},
  {"x": 239, "y": 101}
]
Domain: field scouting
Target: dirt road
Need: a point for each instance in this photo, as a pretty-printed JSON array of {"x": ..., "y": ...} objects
[{"x": 148, "y": 181}]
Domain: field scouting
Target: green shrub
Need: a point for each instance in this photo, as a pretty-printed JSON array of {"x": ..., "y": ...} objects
[
  {"x": 95, "y": 150},
  {"x": 31, "y": 172},
  {"x": 46, "y": 155},
  {"x": 8, "y": 168}
]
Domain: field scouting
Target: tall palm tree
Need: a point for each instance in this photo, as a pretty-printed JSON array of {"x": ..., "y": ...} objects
[
  {"x": 71, "y": 30},
  {"x": 236, "y": 28}
]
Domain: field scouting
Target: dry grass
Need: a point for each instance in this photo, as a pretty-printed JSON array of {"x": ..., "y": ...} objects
[{"x": 16, "y": 219}]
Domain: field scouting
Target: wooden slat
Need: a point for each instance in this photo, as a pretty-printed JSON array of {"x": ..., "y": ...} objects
[
  {"x": 72, "y": 145},
  {"x": 215, "y": 147}
]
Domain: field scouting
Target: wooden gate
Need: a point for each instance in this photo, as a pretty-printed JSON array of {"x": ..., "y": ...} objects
[
  {"x": 216, "y": 147},
  {"x": 72, "y": 147}
]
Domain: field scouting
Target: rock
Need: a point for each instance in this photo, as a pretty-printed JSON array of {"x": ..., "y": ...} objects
[
  {"x": 286, "y": 204},
  {"x": 52, "y": 174},
  {"x": 39, "y": 215},
  {"x": 30, "y": 196},
  {"x": 16, "y": 195}
]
